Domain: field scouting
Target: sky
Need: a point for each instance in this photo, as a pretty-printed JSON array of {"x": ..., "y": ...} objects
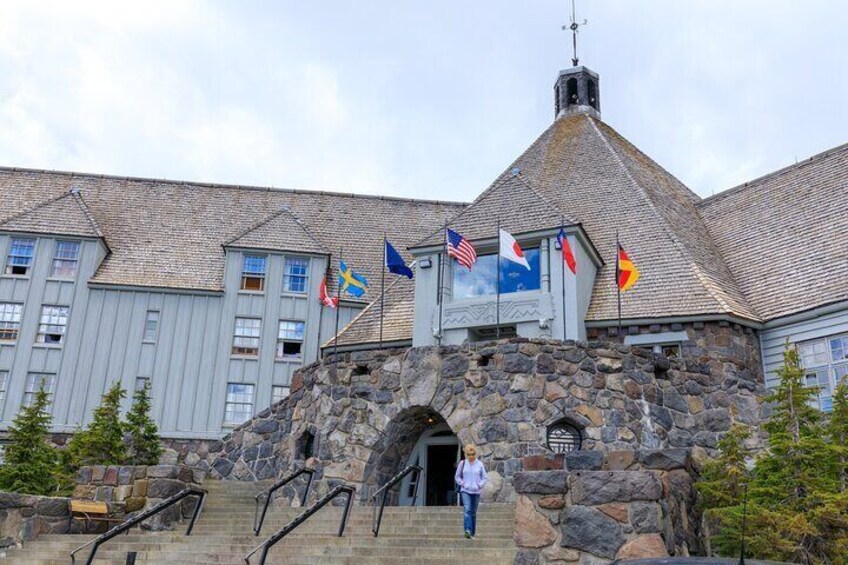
[{"x": 408, "y": 98}]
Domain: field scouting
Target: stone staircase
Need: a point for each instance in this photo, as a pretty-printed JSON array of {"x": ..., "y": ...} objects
[{"x": 223, "y": 534}]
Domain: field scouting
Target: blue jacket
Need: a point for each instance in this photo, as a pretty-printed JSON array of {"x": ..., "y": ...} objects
[{"x": 473, "y": 476}]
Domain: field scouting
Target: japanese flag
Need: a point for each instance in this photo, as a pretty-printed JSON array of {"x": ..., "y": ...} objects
[{"x": 512, "y": 251}]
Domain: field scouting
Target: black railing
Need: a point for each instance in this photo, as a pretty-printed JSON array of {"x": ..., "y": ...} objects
[
  {"x": 288, "y": 528},
  {"x": 269, "y": 493},
  {"x": 135, "y": 520},
  {"x": 377, "y": 519}
]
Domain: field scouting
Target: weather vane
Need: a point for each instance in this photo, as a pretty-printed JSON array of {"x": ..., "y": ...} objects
[{"x": 573, "y": 27}]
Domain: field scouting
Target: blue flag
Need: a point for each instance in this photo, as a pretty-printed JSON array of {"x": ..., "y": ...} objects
[
  {"x": 351, "y": 282},
  {"x": 395, "y": 262}
]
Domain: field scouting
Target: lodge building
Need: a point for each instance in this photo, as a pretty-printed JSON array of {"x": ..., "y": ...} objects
[{"x": 210, "y": 292}]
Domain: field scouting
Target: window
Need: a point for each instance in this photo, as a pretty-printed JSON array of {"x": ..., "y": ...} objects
[
  {"x": 65, "y": 259},
  {"x": 239, "y": 406},
  {"x": 253, "y": 273},
  {"x": 4, "y": 382},
  {"x": 278, "y": 393},
  {"x": 480, "y": 281},
  {"x": 246, "y": 336},
  {"x": 290, "y": 340},
  {"x": 53, "y": 324},
  {"x": 141, "y": 382},
  {"x": 563, "y": 438},
  {"x": 297, "y": 275},
  {"x": 826, "y": 364},
  {"x": 10, "y": 320},
  {"x": 151, "y": 326},
  {"x": 3, "y": 452},
  {"x": 34, "y": 382},
  {"x": 21, "y": 256}
]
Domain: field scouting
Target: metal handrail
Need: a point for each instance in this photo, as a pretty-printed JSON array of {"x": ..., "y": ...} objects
[
  {"x": 257, "y": 526},
  {"x": 377, "y": 519},
  {"x": 288, "y": 528},
  {"x": 135, "y": 520}
]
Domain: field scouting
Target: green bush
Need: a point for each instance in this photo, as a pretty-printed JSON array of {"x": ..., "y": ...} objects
[{"x": 102, "y": 442}]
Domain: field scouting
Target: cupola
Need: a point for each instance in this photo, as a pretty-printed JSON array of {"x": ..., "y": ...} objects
[{"x": 577, "y": 90}]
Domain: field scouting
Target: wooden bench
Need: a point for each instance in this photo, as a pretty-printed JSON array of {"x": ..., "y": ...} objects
[{"x": 92, "y": 511}]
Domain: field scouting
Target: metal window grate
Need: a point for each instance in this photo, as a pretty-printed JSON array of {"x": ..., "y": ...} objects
[{"x": 564, "y": 438}]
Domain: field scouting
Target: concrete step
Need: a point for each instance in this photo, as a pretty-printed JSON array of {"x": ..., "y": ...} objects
[{"x": 223, "y": 534}]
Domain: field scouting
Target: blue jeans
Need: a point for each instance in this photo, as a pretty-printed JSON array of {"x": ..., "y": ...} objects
[{"x": 469, "y": 503}]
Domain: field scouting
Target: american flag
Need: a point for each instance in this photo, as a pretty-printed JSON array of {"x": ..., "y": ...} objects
[{"x": 461, "y": 249}]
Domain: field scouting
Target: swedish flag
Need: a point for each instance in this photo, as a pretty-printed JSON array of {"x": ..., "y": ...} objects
[{"x": 351, "y": 282}]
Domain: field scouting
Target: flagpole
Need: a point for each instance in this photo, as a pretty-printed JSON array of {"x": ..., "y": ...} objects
[
  {"x": 441, "y": 282},
  {"x": 338, "y": 305},
  {"x": 498, "y": 279},
  {"x": 382, "y": 289},
  {"x": 562, "y": 266},
  {"x": 321, "y": 316},
  {"x": 618, "y": 286}
]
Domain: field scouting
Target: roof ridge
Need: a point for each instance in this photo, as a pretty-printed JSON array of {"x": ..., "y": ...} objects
[
  {"x": 542, "y": 197},
  {"x": 783, "y": 170},
  {"x": 283, "y": 210},
  {"x": 199, "y": 184},
  {"x": 664, "y": 222},
  {"x": 78, "y": 198},
  {"x": 47, "y": 202}
]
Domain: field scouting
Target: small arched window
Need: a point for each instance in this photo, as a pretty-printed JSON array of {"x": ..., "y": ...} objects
[
  {"x": 593, "y": 94},
  {"x": 556, "y": 100},
  {"x": 571, "y": 91},
  {"x": 564, "y": 437}
]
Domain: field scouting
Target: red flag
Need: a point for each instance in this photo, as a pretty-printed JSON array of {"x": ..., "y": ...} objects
[
  {"x": 324, "y": 297},
  {"x": 567, "y": 255}
]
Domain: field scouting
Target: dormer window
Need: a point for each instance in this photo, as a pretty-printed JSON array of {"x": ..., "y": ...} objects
[
  {"x": 21, "y": 257},
  {"x": 253, "y": 273},
  {"x": 65, "y": 260},
  {"x": 481, "y": 281}
]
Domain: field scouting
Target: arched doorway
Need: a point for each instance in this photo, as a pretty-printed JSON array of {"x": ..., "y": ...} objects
[
  {"x": 420, "y": 436},
  {"x": 437, "y": 452}
]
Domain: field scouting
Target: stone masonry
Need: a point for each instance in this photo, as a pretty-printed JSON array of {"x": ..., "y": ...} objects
[
  {"x": 599, "y": 507},
  {"x": 358, "y": 414}
]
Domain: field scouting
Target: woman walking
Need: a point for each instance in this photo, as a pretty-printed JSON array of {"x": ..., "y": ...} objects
[{"x": 470, "y": 477}]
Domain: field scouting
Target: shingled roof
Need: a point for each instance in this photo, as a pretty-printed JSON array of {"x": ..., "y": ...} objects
[
  {"x": 280, "y": 231},
  {"x": 784, "y": 235},
  {"x": 169, "y": 234},
  {"x": 582, "y": 169},
  {"x": 364, "y": 329},
  {"x": 66, "y": 214}
]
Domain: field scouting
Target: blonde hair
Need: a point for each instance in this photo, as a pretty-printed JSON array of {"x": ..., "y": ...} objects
[{"x": 469, "y": 447}]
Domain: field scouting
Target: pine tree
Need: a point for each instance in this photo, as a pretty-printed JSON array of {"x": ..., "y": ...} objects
[
  {"x": 31, "y": 462},
  {"x": 799, "y": 461},
  {"x": 838, "y": 432},
  {"x": 722, "y": 478},
  {"x": 798, "y": 507},
  {"x": 145, "y": 445},
  {"x": 102, "y": 442}
]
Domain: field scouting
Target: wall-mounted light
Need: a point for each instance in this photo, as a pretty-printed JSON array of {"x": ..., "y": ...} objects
[{"x": 425, "y": 263}]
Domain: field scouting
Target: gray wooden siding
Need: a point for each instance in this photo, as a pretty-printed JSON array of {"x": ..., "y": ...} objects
[
  {"x": 190, "y": 363},
  {"x": 773, "y": 339}
]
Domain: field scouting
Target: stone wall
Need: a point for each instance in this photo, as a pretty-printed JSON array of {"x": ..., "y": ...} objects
[
  {"x": 622, "y": 504},
  {"x": 358, "y": 414},
  {"x": 127, "y": 489},
  {"x": 23, "y": 517},
  {"x": 711, "y": 343}
]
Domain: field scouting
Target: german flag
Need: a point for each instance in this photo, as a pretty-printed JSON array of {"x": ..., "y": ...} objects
[{"x": 626, "y": 272}]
